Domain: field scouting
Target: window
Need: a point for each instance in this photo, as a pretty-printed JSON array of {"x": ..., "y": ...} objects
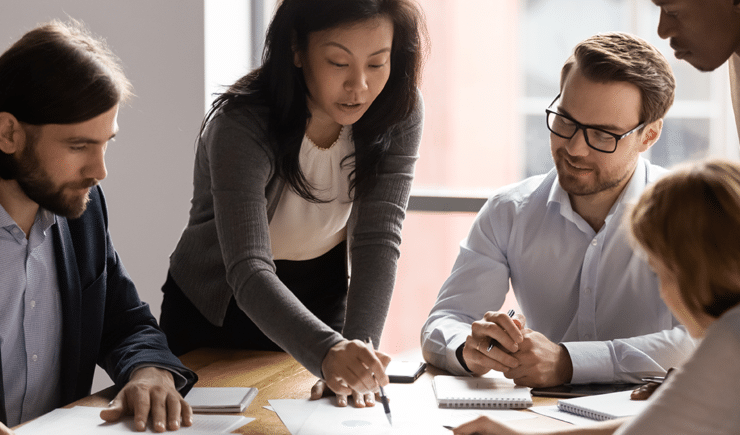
[{"x": 493, "y": 69}]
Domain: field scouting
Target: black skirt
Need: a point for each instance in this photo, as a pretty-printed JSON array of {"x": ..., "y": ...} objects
[{"x": 320, "y": 284}]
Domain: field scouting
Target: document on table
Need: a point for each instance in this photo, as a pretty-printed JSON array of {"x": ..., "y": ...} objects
[
  {"x": 413, "y": 410},
  {"x": 310, "y": 417},
  {"x": 85, "y": 419}
]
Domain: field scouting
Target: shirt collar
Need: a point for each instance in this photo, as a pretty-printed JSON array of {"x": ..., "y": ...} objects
[
  {"x": 44, "y": 218},
  {"x": 629, "y": 195},
  {"x": 5, "y": 220}
]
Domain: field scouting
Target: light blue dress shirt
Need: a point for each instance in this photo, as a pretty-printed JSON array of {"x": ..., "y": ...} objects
[
  {"x": 31, "y": 321},
  {"x": 585, "y": 289}
]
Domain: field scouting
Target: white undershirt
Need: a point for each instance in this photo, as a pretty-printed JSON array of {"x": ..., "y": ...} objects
[{"x": 302, "y": 230}]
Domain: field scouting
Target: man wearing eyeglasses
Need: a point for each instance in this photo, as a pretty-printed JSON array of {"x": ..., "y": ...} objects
[{"x": 592, "y": 305}]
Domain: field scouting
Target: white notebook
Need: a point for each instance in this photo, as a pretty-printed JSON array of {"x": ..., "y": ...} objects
[
  {"x": 220, "y": 399},
  {"x": 479, "y": 392},
  {"x": 603, "y": 406}
]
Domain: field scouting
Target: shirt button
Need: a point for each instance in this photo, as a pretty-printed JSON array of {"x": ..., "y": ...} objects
[
  {"x": 587, "y": 337},
  {"x": 593, "y": 242},
  {"x": 33, "y": 304},
  {"x": 34, "y": 357},
  {"x": 587, "y": 290}
]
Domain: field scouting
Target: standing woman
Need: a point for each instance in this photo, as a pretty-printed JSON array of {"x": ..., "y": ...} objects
[{"x": 302, "y": 175}]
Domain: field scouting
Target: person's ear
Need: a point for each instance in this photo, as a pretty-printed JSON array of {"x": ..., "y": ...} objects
[
  {"x": 12, "y": 135},
  {"x": 650, "y": 134}
]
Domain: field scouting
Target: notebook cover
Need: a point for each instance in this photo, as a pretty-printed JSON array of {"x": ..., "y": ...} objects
[
  {"x": 603, "y": 406},
  {"x": 479, "y": 392}
]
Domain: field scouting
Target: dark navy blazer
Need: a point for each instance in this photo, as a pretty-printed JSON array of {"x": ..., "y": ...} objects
[{"x": 103, "y": 319}]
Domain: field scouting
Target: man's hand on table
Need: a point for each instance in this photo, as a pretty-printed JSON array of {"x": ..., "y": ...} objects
[
  {"x": 5, "y": 431},
  {"x": 542, "y": 363},
  {"x": 348, "y": 368},
  {"x": 150, "y": 390}
]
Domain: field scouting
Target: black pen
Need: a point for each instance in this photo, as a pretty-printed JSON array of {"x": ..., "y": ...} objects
[
  {"x": 493, "y": 342},
  {"x": 383, "y": 397}
]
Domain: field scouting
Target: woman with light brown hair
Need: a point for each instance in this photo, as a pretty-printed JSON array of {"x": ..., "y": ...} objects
[{"x": 688, "y": 224}]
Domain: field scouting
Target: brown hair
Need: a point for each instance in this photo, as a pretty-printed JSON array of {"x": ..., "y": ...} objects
[
  {"x": 690, "y": 222},
  {"x": 622, "y": 57},
  {"x": 58, "y": 73}
]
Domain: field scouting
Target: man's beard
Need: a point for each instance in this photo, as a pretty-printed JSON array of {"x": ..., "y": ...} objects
[
  {"x": 38, "y": 186},
  {"x": 571, "y": 185}
]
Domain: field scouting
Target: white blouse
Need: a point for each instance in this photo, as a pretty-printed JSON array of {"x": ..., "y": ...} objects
[{"x": 302, "y": 230}]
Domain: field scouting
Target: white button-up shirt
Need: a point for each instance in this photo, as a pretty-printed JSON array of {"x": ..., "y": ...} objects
[
  {"x": 585, "y": 289},
  {"x": 31, "y": 321}
]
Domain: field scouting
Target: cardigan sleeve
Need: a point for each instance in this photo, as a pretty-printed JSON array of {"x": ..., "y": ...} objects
[
  {"x": 240, "y": 169},
  {"x": 375, "y": 236}
]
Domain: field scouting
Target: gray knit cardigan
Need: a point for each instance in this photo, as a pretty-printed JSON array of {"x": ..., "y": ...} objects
[{"x": 225, "y": 249}]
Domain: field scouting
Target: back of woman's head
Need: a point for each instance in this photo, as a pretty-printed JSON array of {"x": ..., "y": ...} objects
[{"x": 689, "y": 221}]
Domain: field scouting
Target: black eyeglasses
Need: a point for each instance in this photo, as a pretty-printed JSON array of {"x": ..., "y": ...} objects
[{"x": 566, "y": 127}]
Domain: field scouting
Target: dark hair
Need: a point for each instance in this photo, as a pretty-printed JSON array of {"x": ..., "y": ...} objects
[
  {"x": 58, "y": 73},
  {"x": 280, "y": 85},
  {"x": 689, "y": 221},
  {"x": 622, "y": 57}
]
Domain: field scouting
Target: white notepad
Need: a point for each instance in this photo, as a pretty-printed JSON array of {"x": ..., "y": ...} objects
[
  {"x": 479, "y": 392},
  {"x": 220, "y": 399},
  {"x": 604, "y": 406}
]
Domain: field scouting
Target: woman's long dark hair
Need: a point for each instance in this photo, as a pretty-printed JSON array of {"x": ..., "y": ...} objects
[{"x": 280, "y": 85}]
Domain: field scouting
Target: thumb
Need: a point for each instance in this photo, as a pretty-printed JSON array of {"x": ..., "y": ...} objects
[{"x": 114, "y": 411}]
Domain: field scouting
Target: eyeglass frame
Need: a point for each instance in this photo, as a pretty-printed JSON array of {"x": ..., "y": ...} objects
[{"x": 582, "y": 127}]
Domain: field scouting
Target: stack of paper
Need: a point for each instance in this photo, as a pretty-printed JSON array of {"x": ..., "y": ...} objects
[{"x": 223, "y": 399}]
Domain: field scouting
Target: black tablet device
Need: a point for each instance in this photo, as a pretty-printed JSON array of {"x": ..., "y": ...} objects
[
  {"x": 578, "y": 390},
  {"x": 405, "y": 372}
]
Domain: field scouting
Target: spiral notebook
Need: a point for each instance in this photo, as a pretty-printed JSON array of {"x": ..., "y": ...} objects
[
  {"x": 604, "y": 406},
  {"x": 479, "y": 392}
]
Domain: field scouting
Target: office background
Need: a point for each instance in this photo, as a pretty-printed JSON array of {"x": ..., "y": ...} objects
[{"x": 492, "y": 70}]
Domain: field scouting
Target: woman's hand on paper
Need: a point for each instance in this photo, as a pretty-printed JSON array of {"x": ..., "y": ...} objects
[
  {"x": 320, "y": 389},
  {"x": 150, "y": 390},
  {"x": 352, "y": 368}
]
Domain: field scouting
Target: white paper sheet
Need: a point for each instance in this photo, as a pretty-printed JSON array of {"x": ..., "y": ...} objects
[
  {"x": 555, "y": 412},
  {"x": 84, "y": 419},
  {"x": 411, "y": 414}
]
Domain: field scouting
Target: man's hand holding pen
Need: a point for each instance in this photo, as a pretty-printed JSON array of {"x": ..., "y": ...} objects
[
  {"x": 492, "y": 342},
  {"x": 501, "y": 342}
]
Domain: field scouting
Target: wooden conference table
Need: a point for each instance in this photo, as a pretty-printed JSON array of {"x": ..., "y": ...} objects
[{"x": 278, "y": 376}]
